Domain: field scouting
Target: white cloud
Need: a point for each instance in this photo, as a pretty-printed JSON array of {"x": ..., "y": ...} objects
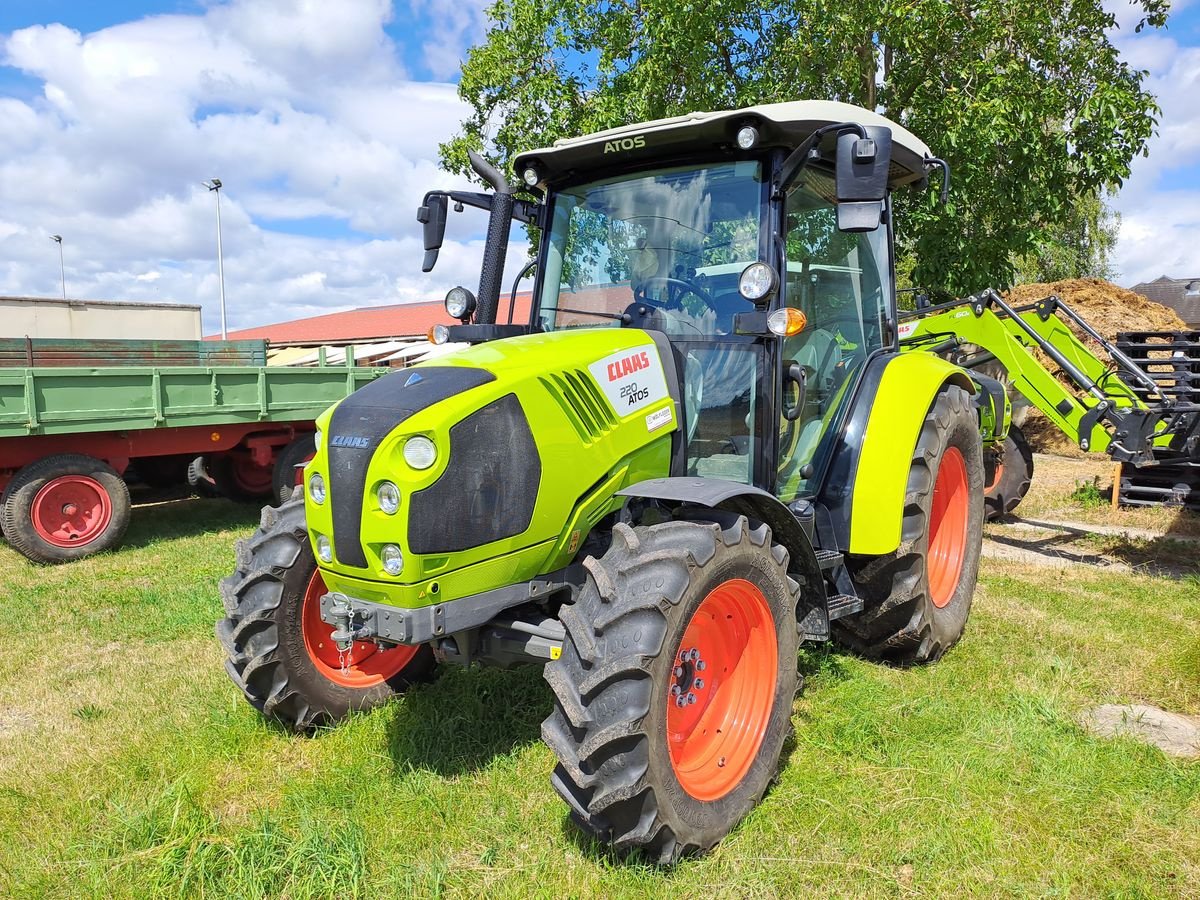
[{"x": 301, "y": 107}]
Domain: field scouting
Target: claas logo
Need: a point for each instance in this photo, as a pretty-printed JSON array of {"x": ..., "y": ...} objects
[{"x": 627, "y": 366}]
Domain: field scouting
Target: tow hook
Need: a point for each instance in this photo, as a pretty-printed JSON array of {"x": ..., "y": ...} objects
[{"x": 345, "y": 620}]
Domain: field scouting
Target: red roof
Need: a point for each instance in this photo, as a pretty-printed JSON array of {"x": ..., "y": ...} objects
[{"x": 397, "y": 320}]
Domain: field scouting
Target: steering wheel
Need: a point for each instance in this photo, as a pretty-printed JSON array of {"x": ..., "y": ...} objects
[{"x": 677, "y": 289}]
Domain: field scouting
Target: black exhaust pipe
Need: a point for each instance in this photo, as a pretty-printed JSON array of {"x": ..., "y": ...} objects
[{"x": 496, "y": 250}]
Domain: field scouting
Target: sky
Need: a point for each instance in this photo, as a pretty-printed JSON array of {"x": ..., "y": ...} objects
[{"x": 322, "y": 120}]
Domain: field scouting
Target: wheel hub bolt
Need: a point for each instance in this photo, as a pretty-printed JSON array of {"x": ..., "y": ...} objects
[
  {"x": 721, "y": 763},
  {"x": 693, "y": 654},
  {"x": 681, "y": 702},
  {"x": 701, "y": 665},
  {"x": 70, "y": 509},
  {"x": 691, "y": 698},
  {"x": 678, "y": 671},
  {"x": 698, "y": 684},
  {"x": 676, "y": 690}
]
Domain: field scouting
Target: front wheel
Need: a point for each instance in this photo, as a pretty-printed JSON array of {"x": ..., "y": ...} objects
[
  {"x": 278, "y": 649},
  {"x": 1012, "y": 473},
  {"x": 673, "y": 694},
  {"x": 917, "y": 599}
]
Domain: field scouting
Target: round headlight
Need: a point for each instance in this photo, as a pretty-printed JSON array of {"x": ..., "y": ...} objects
[
  {"x": 460, "y": 302},
  {"x": 388, "y": 496},
  {"x": 324, "y": 549},
  {"x": 317, "y": 439},
  {"x": 392, "y": 559},
  {"x": 316, "y": 488},
  {"x": 439, "y": 334},
  {"x": 531, "y": 176},
  {"x": 420, "y": 452},
  {"x": 757, "y": 281},
  {"x": 747, "y": 137}
]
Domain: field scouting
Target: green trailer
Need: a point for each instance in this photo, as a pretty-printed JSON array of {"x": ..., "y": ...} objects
[{"x": 71, "y": 427}]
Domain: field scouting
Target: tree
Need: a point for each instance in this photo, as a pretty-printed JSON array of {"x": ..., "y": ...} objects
[
  {"x": 1028, "y": 101},
  {"x": 1077, "y": 245}
]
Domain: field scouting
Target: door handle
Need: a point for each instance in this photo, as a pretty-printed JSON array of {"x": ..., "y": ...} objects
[{"x": 796, "y": 375}]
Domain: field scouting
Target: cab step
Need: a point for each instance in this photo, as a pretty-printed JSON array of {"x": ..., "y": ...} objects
[
  {"x": 829, "y": 559},
  {"x": 842, "y": 605}
]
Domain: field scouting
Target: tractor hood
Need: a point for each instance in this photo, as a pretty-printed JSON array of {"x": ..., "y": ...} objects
[{"x": 515, "y": 438}]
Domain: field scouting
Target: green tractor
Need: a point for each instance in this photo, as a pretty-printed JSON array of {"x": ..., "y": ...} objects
[{"x": 701, "y": 448}]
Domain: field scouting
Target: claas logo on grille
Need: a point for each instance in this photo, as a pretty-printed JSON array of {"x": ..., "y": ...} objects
[
  {"x": 627, "y": 366},
  {"x": 349, "y": 440}
]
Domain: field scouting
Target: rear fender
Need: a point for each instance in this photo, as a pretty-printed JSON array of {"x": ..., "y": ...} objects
[{"x": 907, "y": 387}]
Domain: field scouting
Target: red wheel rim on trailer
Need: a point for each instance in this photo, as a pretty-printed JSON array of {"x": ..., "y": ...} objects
[
  {"x": 948, "y": 519},
  {"x": 724, "y": 673},
  {"x": 367, "y": 663},
  {"x": 249, "y": 476},
  {"x": 71, "y": 511}
]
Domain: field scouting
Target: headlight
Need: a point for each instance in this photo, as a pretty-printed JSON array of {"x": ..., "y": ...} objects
[
  {"x": 460, "y": 302},
  {"x": 439, "y": 334},
  {"x": 420, "y": 452},
  {"x": 317, "y": 439},
  {"x": 392, "y": 558},
  {"x": 747, "y": 137},
  {"x": 316, "y": 488},
  {"x": 388, "y": 496},
  {"x": 324, "y": 549},
  {"x": 756, "y": 281}
]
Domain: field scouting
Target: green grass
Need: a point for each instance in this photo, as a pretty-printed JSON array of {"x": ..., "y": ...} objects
[{"x": 130, "y": 767}]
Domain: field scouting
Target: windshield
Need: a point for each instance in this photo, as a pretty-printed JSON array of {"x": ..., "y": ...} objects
[{"x": 668, "y": 244}]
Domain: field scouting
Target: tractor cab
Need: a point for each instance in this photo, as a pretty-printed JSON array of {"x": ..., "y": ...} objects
[{"x": 703, "y": 227}]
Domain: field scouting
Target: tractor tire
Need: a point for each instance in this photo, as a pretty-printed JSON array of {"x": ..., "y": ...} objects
[
  {"x": 65, "y": 507},
  {"x": 1011, "y": 478},
  {"x": 279, "y": 652},
  {"x": 633, "y": 707},
  {"x": 917, "y": 599},
  {"x": 238, "y": 477},
  {"x": 286, "y": 476}
]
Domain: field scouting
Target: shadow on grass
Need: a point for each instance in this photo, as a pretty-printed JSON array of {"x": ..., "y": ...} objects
[
  {"x": 468, "y": 718},
  {"x": 156, "y": 520}
]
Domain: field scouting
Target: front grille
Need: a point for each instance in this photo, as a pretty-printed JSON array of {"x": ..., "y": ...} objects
[
  {"x": 582, "y": 403},
  {"x": 489, "y": 488}
]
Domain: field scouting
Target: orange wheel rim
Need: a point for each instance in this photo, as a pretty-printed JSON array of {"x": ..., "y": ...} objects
[
  {"x": 367, "y": 664},
  {"x": 997, "y": 474},
  {"x": 722, "y": 690},
  {"x": 948, "y": 527}
]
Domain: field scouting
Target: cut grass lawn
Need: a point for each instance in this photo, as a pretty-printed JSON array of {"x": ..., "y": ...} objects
[{"x": 131, "y": 767}]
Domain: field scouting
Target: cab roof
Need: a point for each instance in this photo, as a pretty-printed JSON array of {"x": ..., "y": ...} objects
[{"x": 779, "y": 124}]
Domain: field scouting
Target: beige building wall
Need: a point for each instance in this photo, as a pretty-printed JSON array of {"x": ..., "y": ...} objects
[{"x": 39, "y": 317}]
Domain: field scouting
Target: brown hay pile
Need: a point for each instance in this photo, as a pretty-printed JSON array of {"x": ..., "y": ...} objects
[{"x": 1107, "y": 308}]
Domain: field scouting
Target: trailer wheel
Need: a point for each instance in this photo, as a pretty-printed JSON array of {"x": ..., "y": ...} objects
[
  {"x": 279, "y": 651},
  {"x": 917, "y": 599},
  {"x": 199, "y": 480},
  {"x": 65, "y": 507},
  {"x": 238, "y": 477},
  {"x": 673, "y": 695},
  {"x": 288, "y": 473},
  {"x": 1012, "y": 475}
]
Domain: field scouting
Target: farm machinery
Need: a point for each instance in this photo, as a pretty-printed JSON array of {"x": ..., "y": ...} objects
[
  {"x": 702, "y": 447},
  {"x": 1139, "y": 402}
]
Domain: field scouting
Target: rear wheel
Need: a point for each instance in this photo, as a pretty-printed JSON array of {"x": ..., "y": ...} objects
[
  {"x": 917, "y": 599},
  {"x": 65, "y": 507},
  {"x": 279, "y": 651},
  {"x": 289, "y": 468},
  {"x": 1011, "y": 476},
  {"x": 673, "y": 694}
]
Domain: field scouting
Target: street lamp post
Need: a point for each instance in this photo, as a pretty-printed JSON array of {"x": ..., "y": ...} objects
[
  {"x": 62, "y": 268},
  {"x": 214, "y": 186}
]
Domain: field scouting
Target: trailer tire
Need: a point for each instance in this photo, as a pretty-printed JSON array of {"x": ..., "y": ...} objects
[
  {"x": 277, "y": 649},
  {"x": 238, "y": 477},
  {"x": 638, "y": 769},
  {"x": 199, "y": 480},
  {"x": 65, "y": 507},
  {"x": 284, "y": 479},
  {"x": 916, "y": 600},
  {"x": 1013, "y": 473}
]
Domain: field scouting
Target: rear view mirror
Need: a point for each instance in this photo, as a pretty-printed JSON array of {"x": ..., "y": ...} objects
[
  {"x": 862, "y": 177},
  {"x": 433, "y": 216}
]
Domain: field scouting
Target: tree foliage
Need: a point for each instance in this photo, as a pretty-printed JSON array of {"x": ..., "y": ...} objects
[
  {"x": 1079, "y": 244},
  {"x": 1028, "y": 101}
]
